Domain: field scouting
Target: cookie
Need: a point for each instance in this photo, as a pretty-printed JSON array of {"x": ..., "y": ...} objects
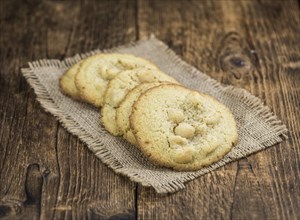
[
  {"x": 96, "y": 71},
  {"x": 119, "y": 86},
  {"x": 67, "y": 82},
  {"x": 182, "y": 129},
  {"x": 124, "y": 111}
]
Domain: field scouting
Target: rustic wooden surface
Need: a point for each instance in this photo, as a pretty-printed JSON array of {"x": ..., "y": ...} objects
[{"x": 47, "y": 173}]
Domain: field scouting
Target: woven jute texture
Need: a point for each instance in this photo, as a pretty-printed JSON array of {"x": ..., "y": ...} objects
[{"x": 258, "y": 127}]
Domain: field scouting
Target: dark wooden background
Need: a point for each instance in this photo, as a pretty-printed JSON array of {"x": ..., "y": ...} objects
[{"x": 47, "y": 173}]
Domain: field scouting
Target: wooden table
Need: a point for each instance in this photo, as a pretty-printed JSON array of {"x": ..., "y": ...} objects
[{"x": 47, "y": 173}]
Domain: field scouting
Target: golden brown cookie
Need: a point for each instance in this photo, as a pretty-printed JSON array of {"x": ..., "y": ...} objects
[
  {"x": 96, "y": 71},
  {"x": 182, "y": 129},
  {"x": 124, "y": 111},
  {"x": 119, "y": 86},
  {"x": 67, "y": 82}
]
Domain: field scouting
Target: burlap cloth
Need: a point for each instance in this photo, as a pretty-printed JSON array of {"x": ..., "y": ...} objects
[{"x": 258, "y": 127}]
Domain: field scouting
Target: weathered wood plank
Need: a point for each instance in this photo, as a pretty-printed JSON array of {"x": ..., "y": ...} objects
[
  {"x": 276, "y": 35},
  {"x": 254, "y": 45},
  {"x": 44, "y": 171}
]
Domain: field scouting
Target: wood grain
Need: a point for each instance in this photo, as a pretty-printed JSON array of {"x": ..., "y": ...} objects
[
  {"x": 46, "y": 173},
  {"x": 253, "y": 45}
]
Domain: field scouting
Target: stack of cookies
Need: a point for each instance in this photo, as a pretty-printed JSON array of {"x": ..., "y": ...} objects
[{"x": 172, "y": 125}]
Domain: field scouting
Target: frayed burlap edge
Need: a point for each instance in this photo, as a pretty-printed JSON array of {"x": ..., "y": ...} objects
[{"x": 100, "y": 149}]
